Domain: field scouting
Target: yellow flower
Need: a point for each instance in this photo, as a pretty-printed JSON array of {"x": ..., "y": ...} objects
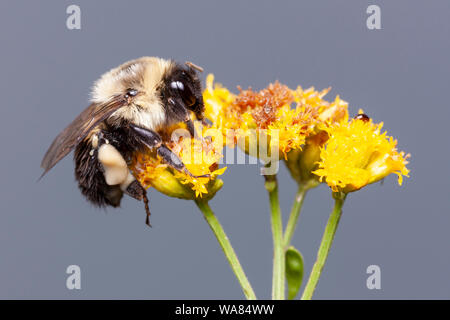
[
  {"x": 357, "y": 154},
  {"x": 217, "y": 99},
  {"x": 302, "y": 161},
  {"x": 200, "y": 157},
  {"x": 250, "y": 118}
]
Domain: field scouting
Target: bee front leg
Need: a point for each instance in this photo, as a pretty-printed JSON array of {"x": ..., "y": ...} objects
[
  {"x": 153, "y": 140},
  {"x": 175, "y": 162},
  {"x": 191, "y": 128},
  {"x": 180, "y": 112}
]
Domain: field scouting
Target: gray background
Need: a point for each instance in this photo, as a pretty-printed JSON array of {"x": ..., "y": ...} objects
[{"x": 399, "y": 75}]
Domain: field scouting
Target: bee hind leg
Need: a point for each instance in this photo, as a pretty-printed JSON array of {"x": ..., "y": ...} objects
[
  {"x": 117, "y": 174},
  {"x": 90, "y": 176}
]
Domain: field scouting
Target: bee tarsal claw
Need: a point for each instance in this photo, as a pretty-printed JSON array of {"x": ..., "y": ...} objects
[{"x": 147, "y": 221}]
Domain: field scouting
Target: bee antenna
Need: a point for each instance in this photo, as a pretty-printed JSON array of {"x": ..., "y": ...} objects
[{"x": 193, "y": 66}]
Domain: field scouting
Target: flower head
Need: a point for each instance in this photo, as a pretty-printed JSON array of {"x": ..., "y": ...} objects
[
  {"x": 217, "y": 100},
  {"x": 302, "y": 161},
  {"x": 357, "y": 154},
  {"x": 282, "y": 117},
  {"x": 201, "y": 157}
]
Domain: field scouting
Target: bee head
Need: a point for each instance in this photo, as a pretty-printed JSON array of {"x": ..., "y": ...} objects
[
  {"x": 156, "y": 91},
  {"x": 181, "y": 89}
]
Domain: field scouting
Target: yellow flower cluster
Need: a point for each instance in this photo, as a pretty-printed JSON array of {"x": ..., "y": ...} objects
[
  {"x": 357, "y": 154},
  {"x": 270, "y": 112},
  {"x": 316, "y": 137}
]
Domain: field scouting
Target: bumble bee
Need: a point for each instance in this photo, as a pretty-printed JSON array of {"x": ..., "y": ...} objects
[{"x": 130, "y": 106}]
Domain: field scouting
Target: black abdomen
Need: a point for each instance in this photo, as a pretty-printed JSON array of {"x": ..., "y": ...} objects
[{"x": 91, "y": 181}]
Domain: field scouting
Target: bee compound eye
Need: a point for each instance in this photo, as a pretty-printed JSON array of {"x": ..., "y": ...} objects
[
  {"x": 184, "y": 92},
  {"x": 177, "y": 85},
  {"x": 131, "y": 92}
]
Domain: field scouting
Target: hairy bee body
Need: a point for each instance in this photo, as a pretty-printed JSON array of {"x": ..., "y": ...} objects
[{"x": 131, "y": 106}]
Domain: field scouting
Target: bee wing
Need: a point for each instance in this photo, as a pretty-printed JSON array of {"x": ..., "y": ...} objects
[{"x": 79, "y": 129}]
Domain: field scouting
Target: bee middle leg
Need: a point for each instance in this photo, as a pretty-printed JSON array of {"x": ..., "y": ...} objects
[{"x": 153, "y": 140}]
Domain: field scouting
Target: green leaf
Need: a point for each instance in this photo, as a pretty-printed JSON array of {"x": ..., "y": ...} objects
[{"x": 294, "y": 271}]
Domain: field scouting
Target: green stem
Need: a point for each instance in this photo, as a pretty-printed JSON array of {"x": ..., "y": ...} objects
[
  {"x": 295, "y": 213},
  {"x": 325, "y": 246},
  {"x": 278, "y": 276},
  {"x": 226, "y": 247}
]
